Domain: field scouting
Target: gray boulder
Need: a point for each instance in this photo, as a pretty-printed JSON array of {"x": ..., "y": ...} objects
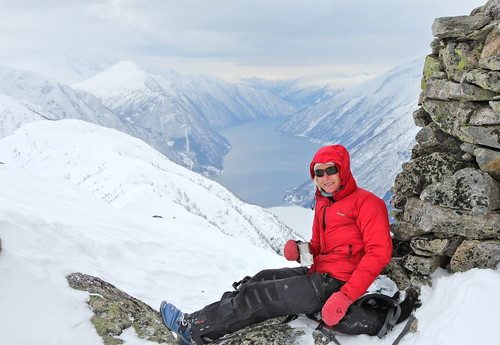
[
  {"x": 476, "y": 254},
  {"x": 448, "y": 27},
  {"x": 468, "y": 189},
  {"x": 432, "y": 246},
  {"x": 448, "y": 222},
  {"x": 448, "y": 90},
  {"x": 489, "y": 161},
  {"x": 421, "y": 172}
]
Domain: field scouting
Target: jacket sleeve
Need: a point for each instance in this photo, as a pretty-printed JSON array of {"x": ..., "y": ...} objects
[{"x": 373, "y": 222}]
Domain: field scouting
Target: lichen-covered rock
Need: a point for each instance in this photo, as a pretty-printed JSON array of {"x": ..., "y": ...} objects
[
  {"x": 476, "y": 254},
  {"x": 433, "y": 139},
  {"x": 491, "y": 9},
  {"x": 489, "y": 80},
  {"x": 397, "y": 273},
  {"x": 485, "y": 116},
  {"x": 459, "y": 58},
  {"x": 448, "y": 90},
  {"x": 448, "y": 27},
  {"x": 421, "y": 172},
  {"x": 468, "y": 189},
  {"x": 482, "y": 135},
  {"x": 404, "y": 231},
  {"x": 489, "y": 161},
  {"x": 423, "y": 265},
  {"x": 434, "y": 68},
  {"x": 270, "y": 332},
  {"x": 495, "y": 105},
  {"x": 450, "y": 116},
  {"x": 421, "y": 118},
  {"x": 491, "y": 51},
  {"x": 491, "y": 62},
  {"x": 431, "y": 246},
  {"x": 449, "y": 222},
  {"x": 114, "y": 311}
]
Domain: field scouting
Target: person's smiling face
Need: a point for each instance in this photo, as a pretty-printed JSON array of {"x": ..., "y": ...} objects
[{"x": 329, "y": 183}]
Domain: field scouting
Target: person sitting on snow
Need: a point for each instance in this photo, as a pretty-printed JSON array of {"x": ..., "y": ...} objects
[{"x": 350, "y": 245}]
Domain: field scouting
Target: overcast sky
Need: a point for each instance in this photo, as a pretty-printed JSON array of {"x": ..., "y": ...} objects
[{"x": 228, "y": 38}]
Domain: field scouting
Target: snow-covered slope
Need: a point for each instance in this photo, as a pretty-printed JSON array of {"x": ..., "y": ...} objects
[
  {"x": 373, "y": 120},
  {"x": 50, "y": 227},
  {"x": 14, "y": 113},
  {"x": 132, "y": 176}
]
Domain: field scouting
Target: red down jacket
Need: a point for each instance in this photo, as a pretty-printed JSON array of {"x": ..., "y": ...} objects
[{"x": 350, "y": 237}]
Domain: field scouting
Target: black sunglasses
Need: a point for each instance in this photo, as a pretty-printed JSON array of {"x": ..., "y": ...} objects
[{"x": 329, "y": 171}]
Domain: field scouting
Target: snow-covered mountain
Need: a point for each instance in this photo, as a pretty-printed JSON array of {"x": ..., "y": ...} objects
[
  {"x": 185, "y": 110},
  {"x": 294, "y": 90},
  {"x": 178, "y": 115},
  {"x": 38, "y": 97},
  {"x": 309, "y": 90},
  {"x": 152, "y": 103},
  {"x": 229, "y": 104},
  {"x": 101, "y": 224},
  {"x": 27, "y": 96},
  {"x": 130, "y": 175},
  {"x": 373, "y": 120},
  {"x": 61, "y": 67},
  {"x": 14, "y": 113}
]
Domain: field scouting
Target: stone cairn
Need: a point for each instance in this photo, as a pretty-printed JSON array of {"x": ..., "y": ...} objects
[{"x": 447, "y": 197}]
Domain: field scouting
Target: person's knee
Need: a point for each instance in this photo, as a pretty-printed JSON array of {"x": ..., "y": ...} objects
[{"x": 267, "y": 274}]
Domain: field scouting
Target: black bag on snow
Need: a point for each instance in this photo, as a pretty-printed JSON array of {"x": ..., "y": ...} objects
[{"x": 376, "y": 314}]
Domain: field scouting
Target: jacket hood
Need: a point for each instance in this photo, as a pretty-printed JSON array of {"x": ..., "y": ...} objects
[{"x": 337, "y": 154}]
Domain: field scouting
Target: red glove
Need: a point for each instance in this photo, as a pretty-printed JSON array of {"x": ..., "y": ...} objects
[
  {"x": 335, "y": 308},
  {"x": 291, "y": 250}
]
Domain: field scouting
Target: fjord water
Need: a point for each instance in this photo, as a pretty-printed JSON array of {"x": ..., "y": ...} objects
[{"x": 262, "y": 165}]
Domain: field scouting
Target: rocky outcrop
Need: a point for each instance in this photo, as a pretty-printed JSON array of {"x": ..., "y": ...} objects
[
  {"x": 115, "y": 311},
  {"x": 447, "y": 197}
]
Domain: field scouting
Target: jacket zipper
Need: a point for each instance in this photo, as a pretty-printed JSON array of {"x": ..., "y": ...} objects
[
  {"x": 349, "y": 254},
  {"x": 323, "y": 244}
]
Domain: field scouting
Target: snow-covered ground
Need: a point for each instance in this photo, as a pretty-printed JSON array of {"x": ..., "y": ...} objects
[{"x": 53, "y": 224}]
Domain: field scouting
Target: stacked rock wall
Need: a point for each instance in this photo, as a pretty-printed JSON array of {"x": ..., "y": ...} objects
[{"x": 447, "y": 197}]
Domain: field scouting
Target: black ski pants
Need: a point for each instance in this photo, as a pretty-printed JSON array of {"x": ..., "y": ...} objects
[{"x": 270, "y": 293}]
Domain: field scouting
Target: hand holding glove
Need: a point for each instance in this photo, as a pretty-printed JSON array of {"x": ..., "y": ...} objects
[
  {"x": 291, "y": 251},
  {"x": 335, "y": 308}
]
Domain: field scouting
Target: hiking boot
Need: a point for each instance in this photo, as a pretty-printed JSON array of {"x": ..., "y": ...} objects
[{"x": 177, "y": 323}]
